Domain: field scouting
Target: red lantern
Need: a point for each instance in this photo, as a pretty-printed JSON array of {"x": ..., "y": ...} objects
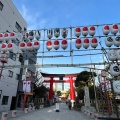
[
  {"x": 1, "y": 36},
  {"x": 78, "y": 43},
  {"x": 77, "y": 31},
  {"x": 36, "y": 45},
  {"x": 10, "y": 46},
  {"x": 86, "y": 43},
  {"x": 29, "y": 46},
  {"x": 56, "y": 44},
  {"x": 106, "y": 29},
  {"x": 23, "y": 46},
  {"x": 84, "y": 31},
  {"x": 4, "y": 47},
  {"x": 49, "y": 45},
  {"x": 94, "y": 43},
  {"x": 114, "y": 29},
  {"x": 13, "y": 36},
  {"x": 92, "y": 30},
  {"x": 6, "y": 36},
  {"x": 64, "y": 44}
]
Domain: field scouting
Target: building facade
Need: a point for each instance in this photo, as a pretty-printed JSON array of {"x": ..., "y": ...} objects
[{"x": 10, "y": 20}]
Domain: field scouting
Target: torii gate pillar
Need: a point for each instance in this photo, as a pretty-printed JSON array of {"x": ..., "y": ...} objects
[{"x": 51, "y": 91}]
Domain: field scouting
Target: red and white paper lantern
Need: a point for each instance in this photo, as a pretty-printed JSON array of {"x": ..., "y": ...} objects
[
  {"x": 109, "y": 41},
  {"x": 64, "y": 44},
  {"x": 77, "y": 31},
  {"x": 49, "y": 33},
  {"x": 86, "y": 43},
  {"x": 29, "y": 46},
  {"x": 1, "y": 36},
  {"x": 10, "y": 47},
  {"x": 56, "y": 44},
  {"x": 4, "y": 47},
  {"x": 36, "y": 45},
  {"x": 6, "y": 36},
  {"x": 91, "y": 30},
  {"x": 85, "y": 31},
  {"x": 49, "y": 45},
  {"x": 13, "y": 36},
  {"x": 116, "y": 41},
  {"x": 23, "y": 46},
  {"x": 56, "y": 32},
  {"x": 94, "y": 43},
  {"x": 37, "y": 34},
  {"x": 114, "y": 29},
  {"x": 78, "y": 43},
  {"x": 106, "y": 29},
  {"x": 112, "y": 55}
]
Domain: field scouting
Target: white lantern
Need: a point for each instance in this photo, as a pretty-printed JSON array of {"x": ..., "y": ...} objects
[
  {"x": 94, "y": 43},
  {"x": 31, "y": 35},
  {"x": 84, "y": 31},
  {"x": 13, "y": 36},
  {"x": 49, "y": 33},
  {"x": 1, "y": 36},
  {"x": 4, "y": 47},
  {"x": 56, "y": 32},
  {"x": 78, "y": 43},
  {"x": 64, "y": 44},
  {"x": 114, "y": 70},
  {"x": 109, "y": 41},
  {"x": 116, "y": 86},
  {"x": 4, "y": 57},
  {"x": 64, "y": 32},
  {"x": 26, "y": 36},
  {"x": 29, "y": 46},
  {"x": 77, "y": 31},
  {"x": 114, "y": 29},
  {"x": 36, "y": 45},
  {"x": 10, "y": 47},
  {"x": 6, "y": 36},
  {"x": 118, "y": 54},
  {"x": 106, "y": 29},
  {"x": 86, "y": 43},
  {"x": 23, "y": 46},
  {"x": 112, "y": 55},
  {"x": 49, "y": 45},
  {"x": 116, "y": 41},
  {"x": 56, "y": 44},
  {"x": 91, "y": 30},
  {"x": 37, "y": 34}
]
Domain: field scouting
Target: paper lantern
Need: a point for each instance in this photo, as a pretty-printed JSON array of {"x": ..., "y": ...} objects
[
  {"x": 49, "y": 33},
  {"x": 37, "y": 34},
  {"x": 94, "y": 43},
  {"x": 49, "y": 45},
  {"x": 56, "y": 44},
  {"x": 36, "y": 45},
  {"x": 116, "y": 86},
  {"x": 116, "y": 41},
  {"x": 10, "y": 47},
  {"x": 6, "y": 36},
  {"x": 29, "y": 46},
  {"x": 13, "y": 36},
  {"x": 56, "y": 32},
  {"x": 77, "y": 31},
  {"x": 1, "y": 36},
  {"x": 4, "y": 57},
  {"x": 31, "y": 35},
  {"x": 112, "y": 55},
  {"x": 86, "y": 43},
  {"x": 91, "y": 30},
  {"x": 84, "y": 31},
  {"x": 23, "y": 46},
  {"x": 4, "y": 47},
  {"x": 78, "y": 43},
  {"x": 109, "y": 41},
  {"x": 118, "y": 54},
  {"x": 114, "y": 70},
  {"x": 64, "y": 44},
  {"x": 114, "y": 29},
  {"x": 64, "y": 32},
  {"x": 106, "y": 29}
]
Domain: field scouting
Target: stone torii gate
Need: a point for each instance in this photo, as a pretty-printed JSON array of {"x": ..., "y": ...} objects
[{"x": 61, "y": 77}]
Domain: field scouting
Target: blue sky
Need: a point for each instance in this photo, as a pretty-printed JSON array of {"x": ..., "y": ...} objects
[{"x": 63, "y": 13}]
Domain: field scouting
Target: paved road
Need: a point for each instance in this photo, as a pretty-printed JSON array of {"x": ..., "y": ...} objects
[{"x": 50, "y": 114}]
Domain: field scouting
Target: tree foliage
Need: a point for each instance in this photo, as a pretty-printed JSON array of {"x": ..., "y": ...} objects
[{"x": 59, "y": 93}]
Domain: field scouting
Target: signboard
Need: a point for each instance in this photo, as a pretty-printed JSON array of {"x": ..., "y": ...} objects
[{"x": 27, "y": 86}]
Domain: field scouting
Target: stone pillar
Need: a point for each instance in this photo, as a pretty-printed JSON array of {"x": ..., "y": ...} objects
[
  {"x": 86, "y": 97},
  {"x": 51, "y": 91}
]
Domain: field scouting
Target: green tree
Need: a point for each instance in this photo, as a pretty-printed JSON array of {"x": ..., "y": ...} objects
[
  {"x": 67, "y": 93},
  {"x": 59, "y": 93}
]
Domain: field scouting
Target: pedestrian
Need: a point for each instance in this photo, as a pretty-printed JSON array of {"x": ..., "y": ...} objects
[{"x": 69, "y": 104}]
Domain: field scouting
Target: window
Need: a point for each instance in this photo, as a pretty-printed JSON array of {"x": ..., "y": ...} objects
[
  {"x": 17, "y": 76},
  {"x": 10, "y": 73},
  {"x": 18, "y": 27},
  {"x": 12, "y": 56},
  {"x": 1, "y": 6},
  {"x": 5, "y": 100}
]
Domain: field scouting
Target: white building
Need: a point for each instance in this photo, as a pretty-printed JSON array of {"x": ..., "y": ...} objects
[{"x": 10, "y": 19}]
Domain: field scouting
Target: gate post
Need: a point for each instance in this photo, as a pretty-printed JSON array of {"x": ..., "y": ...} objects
[{"x": 51, "y": 91}]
